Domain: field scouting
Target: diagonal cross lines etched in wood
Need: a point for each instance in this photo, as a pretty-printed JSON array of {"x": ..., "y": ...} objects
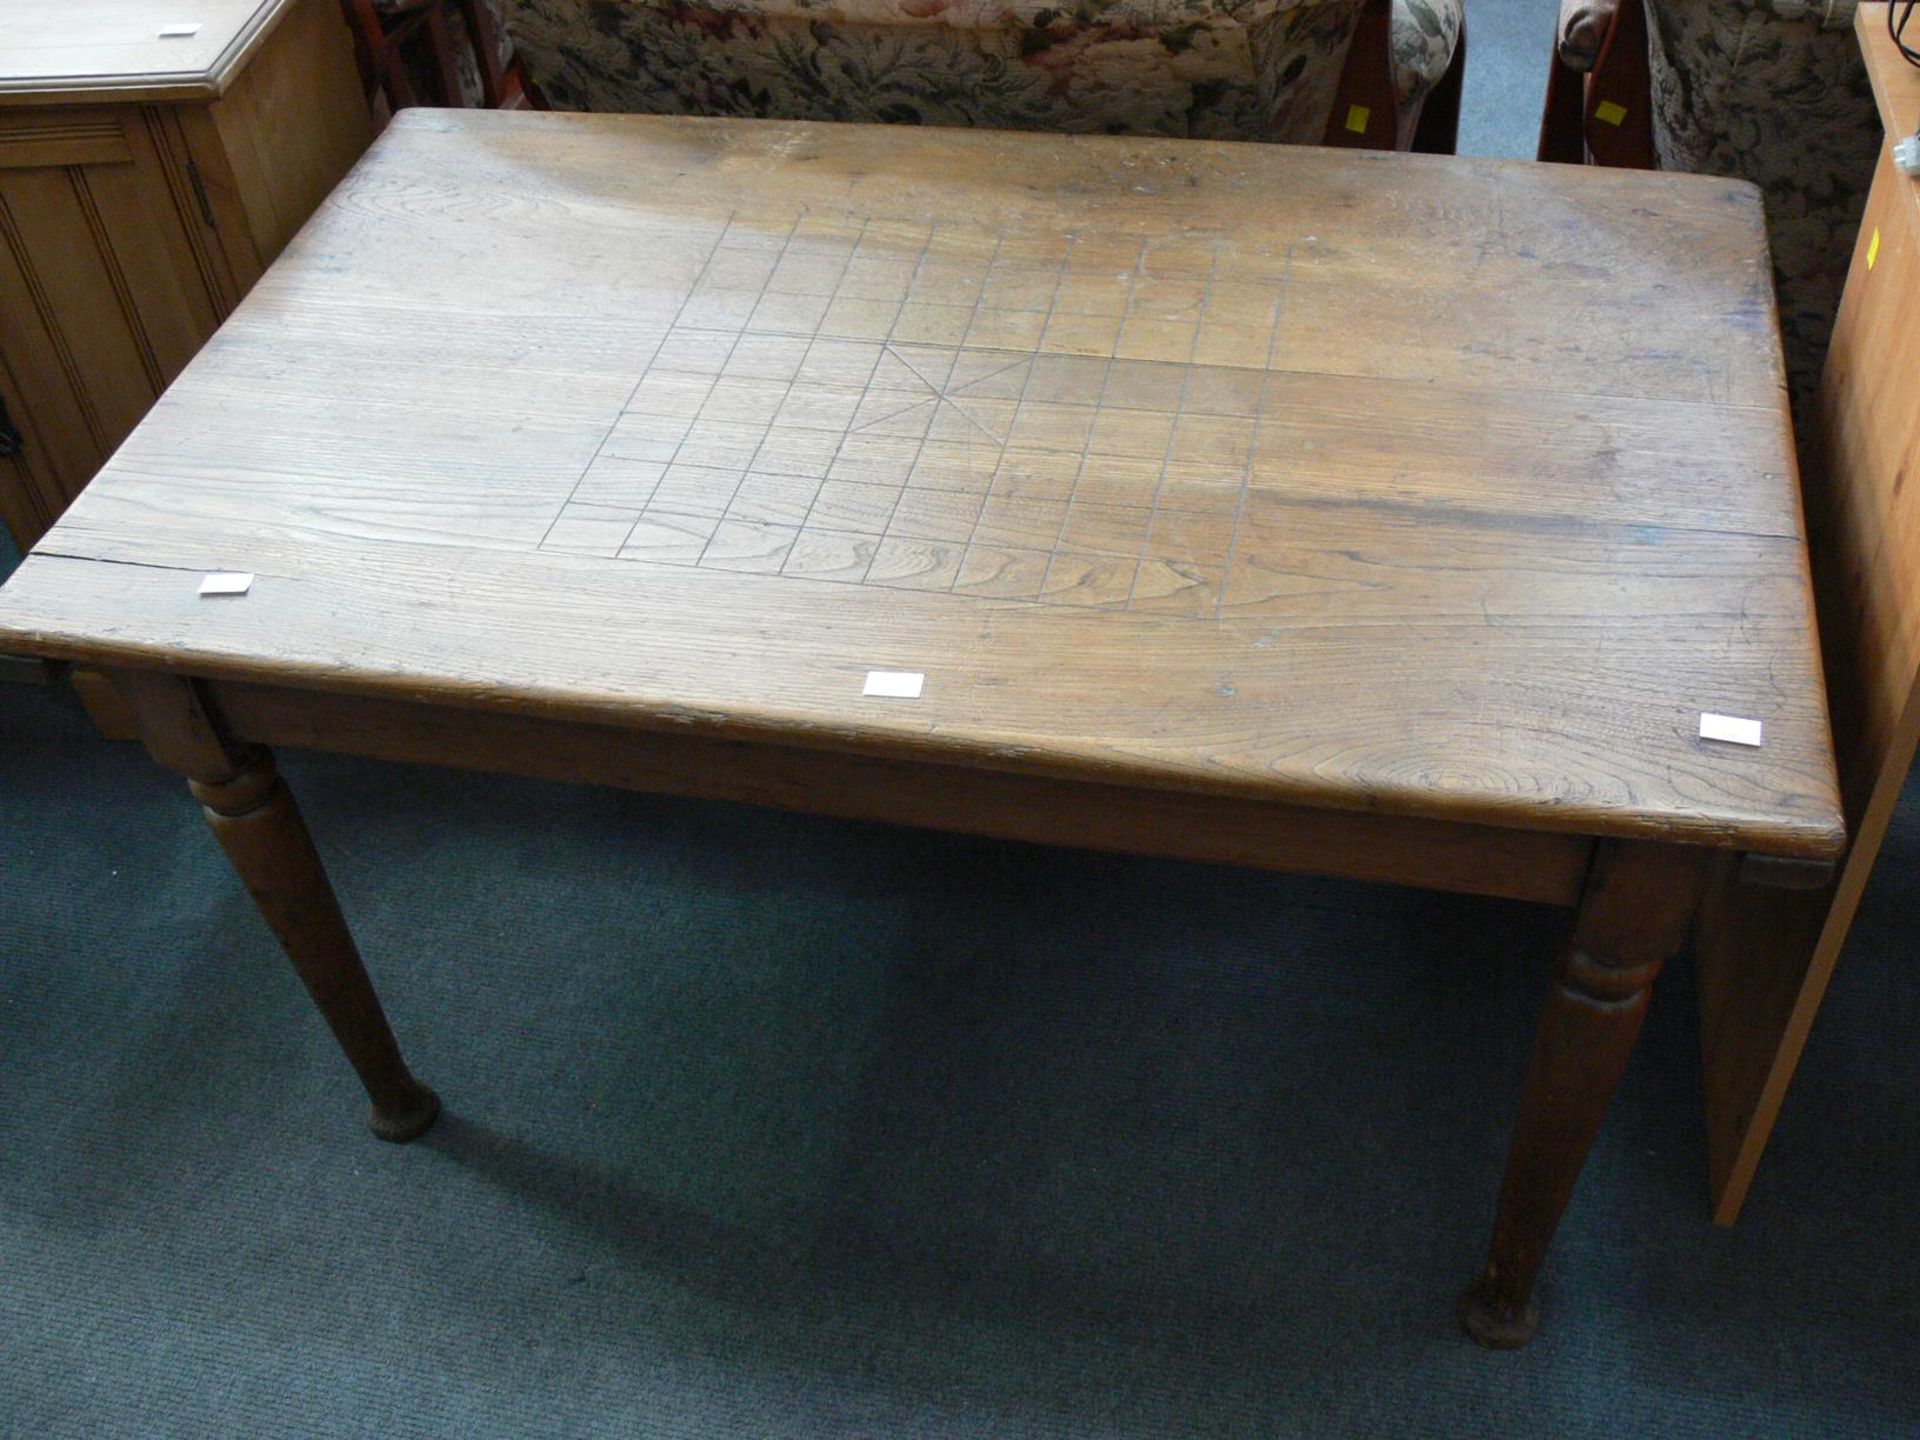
[{"x": 1026, "y": 416}]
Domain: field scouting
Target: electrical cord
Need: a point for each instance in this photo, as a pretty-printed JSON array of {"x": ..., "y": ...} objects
[{"x": 1896, "y": 28}]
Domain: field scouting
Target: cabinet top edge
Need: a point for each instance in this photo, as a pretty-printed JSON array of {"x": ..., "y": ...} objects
[{"x": 116, "y": 51}]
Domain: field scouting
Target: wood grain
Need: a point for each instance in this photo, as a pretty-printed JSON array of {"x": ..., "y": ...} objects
[
  {"x": 1427, "y": 487},
  {"x": 1033, "y": 689},
  {"x": 290, "y": 123},
  {"x": 1767, "y": 956}
]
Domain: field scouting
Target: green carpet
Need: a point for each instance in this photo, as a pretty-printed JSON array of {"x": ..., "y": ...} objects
[{"x": 766, "y": 1126}]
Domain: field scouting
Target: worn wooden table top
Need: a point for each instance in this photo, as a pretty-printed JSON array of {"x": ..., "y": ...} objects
[{"x": 1443, "y": 487}]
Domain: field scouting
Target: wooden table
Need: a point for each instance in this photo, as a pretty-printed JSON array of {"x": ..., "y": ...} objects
[
  {"x": 1386, "y": 517},
  {"x": 155, "y": 155},
  {"x": 1767, "y": 955}
]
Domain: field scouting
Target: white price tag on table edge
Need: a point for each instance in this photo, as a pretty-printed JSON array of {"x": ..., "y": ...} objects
[
  {"x": 894, "y": 684},
  {"x": 227, "y": 582},
  {"x": 1729, "y": 728}
]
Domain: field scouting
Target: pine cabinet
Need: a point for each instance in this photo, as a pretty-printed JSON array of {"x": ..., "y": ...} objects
[{"x": 154, "y": 158}]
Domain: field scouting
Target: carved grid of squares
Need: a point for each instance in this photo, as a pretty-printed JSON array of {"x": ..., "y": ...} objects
[{"x": 1066, "y": 420}]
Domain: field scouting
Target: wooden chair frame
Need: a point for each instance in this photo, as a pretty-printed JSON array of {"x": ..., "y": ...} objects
[
  {"x": 1366, "y": 106},
  {"x": 381, "y": 42},
  {"x": 1603, "y": 116}
]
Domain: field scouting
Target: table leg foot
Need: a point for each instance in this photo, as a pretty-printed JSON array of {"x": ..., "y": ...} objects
[
  {"x": 1490, "y": 1323},
  {"x": 410, "y": 1119},
  {"x": 1635, "y": 914}
]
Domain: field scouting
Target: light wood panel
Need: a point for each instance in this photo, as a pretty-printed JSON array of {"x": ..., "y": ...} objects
[
  {"x": 97, "y": 322},
  {"x": 1159, "y": 459},
  {"x": 1767, "y": 956},
  {"x": 131, "y": 227},
  {"x": 57, "y": 432},
  {"x": 65, "y": 136},
  {"x": 290, "y": 123}
]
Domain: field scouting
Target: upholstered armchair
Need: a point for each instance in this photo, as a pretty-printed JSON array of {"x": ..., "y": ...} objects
[
  {"x": 438, "y": 52},
  {"x": 1772, "y": 91},
  {"x": 1221, "y": 69}
]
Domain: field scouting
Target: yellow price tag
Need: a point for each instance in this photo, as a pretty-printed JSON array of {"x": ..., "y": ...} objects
[
  {"x": 1873, "y": 247},
  {"x": 1608, "y": 113},
  {"x": 1357, "y": 117}
]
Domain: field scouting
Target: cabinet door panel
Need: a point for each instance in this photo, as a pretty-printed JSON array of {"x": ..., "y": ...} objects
[
  {"x": 61, "y": 443},
  {"x": 105, "y": 291}
]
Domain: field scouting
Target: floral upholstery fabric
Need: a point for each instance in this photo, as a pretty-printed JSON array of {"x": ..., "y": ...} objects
[
  {"x": 1220, "y": 69},
  {"x": 1424, "y": 34},
  {"x": 1775, "y": 93}
]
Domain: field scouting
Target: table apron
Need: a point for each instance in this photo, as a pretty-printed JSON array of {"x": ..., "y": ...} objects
[{"x": 1435, "y": 854}]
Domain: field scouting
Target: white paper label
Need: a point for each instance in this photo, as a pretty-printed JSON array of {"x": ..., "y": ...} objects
[
  {"x": 179, "y": 32},
  {"x": 895, "y": 684},
  {"x": 1730, "y": 728},
  {"x": 227, "y": 582}
]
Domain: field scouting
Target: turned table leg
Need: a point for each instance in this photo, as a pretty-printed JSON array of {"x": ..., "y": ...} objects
[
  {"x": 1635, "y": 914},
  {"x": 253, "y": 815}
]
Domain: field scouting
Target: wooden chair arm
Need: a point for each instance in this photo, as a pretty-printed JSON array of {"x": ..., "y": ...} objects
[
  {"x": 1599, "y": 108},
  {"x": 1366, "y": 106}
]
